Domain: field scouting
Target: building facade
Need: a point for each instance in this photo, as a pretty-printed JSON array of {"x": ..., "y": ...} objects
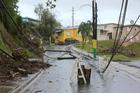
[
  {"x": 67, "y": 34},
  {"x": 106, "y": 31},
  {"x": 134, "y": 31}
]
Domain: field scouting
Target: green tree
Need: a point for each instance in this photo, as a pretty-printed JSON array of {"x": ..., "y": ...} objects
[
  {"x": 85, "y": 28},
  {"x": 47, "y": 24},
  {"x": 9, "y": 8}
]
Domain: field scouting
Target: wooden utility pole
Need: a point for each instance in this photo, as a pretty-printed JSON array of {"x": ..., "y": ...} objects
[{"x": 94, "y": 28}]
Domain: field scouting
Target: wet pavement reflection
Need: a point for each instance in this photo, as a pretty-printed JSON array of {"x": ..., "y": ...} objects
[{"x": 57, "y": 79}]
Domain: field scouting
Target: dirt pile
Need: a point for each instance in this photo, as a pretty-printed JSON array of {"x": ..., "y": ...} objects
[{"x": 10, "y": 69}]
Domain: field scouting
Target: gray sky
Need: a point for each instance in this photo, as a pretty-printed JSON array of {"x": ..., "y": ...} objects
[{"x": 108, "y": 10}]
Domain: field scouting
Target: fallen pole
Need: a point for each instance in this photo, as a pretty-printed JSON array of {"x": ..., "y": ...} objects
[
  {"x": 57, "y": 51},
  {"x": 64, "y": 58}
]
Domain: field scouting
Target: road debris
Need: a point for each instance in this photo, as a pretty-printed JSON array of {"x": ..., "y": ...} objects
[{"x": 10, "y": 70}]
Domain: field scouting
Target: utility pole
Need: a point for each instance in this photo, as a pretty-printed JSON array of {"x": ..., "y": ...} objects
[
  {"x": 94, "y": 28},
  {"x": 72, "y": 16}
]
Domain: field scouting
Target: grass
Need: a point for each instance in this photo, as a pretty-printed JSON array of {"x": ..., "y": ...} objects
[
  {"x": 105, "y": 44},
  {"x": 108, "y": 44},
  {"x": 15, "y": 41},
  {"x": 3, "y": 46},
  {"x": 135, "y": 47},
  {"x": 30, "y": 54},
  {"x": 86, "y": 46},
  {"x": 123, "y": 58}
]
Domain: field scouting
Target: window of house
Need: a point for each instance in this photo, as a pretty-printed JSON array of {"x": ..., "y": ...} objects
[
  {"x": 110, "y": 36},
  {"x": 68, "y": 33}
]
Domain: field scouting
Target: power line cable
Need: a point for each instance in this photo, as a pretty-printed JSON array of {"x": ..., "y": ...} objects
[
  {"x": 127, "y": 36},
  {"x": 117, "y": 37},
  {"x": 17, "y": 26},
  {"x": 133, "y": 36},
  {"x": 117, "y": 31},
  {"x": 121, "y": 27},
  {"x": 129, "y": 33}
]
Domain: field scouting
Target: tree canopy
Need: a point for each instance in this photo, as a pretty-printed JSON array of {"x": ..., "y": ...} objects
[
  {"x": 8, "y": 9},
  {"x": 47, "y": 22},
  {"x": 85, "y": 28}
]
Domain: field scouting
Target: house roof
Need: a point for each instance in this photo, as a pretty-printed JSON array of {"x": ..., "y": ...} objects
[
  {"x": 30, "y": 19},
  {"x": 65, "y": 28},
  {"x": 107, "y": 24},
  {"x": 69, "y": 27},
  {"x": 130, "y": 25}
]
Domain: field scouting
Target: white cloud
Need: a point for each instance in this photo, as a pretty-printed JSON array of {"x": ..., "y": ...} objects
[
  {"x": 26, "y": 7},
  {"x": 108, "y": 10}
]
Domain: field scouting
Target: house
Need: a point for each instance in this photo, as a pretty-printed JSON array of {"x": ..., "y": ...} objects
[
  {"x": 105, "y": 31},
  {"x": 67, "y": 34},
  {"x": 27, "y": 19},
  {"x": 108, "y": 31},
  {"x": 126, "y": 30}
]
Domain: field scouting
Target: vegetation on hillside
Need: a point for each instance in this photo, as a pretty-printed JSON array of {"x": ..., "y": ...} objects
[
  {"x": 20, "y": 40},
  {"x": 26, "y": 35}
]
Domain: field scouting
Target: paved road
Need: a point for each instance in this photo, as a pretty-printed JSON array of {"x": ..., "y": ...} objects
[
  {"x": 135, "y": 64},
  {"x": 58, "y": 79}
]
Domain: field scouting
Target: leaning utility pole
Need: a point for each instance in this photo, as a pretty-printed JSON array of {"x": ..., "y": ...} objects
[{"x": 94, "y": 28}]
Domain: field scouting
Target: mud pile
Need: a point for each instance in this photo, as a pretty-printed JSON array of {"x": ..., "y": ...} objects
[{"x": 10, "y": 69}]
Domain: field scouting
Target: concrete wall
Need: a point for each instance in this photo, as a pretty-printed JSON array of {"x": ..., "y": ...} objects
[
  {"x": 132, "y": 34},
  {"x": 135, "y": 29},
  {"x": 108, "y": 28}
]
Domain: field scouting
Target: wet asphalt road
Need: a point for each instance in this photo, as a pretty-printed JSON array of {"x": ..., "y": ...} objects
[
  {"x": 134, "y": 63},
  {"x": 58, "y": 79}
]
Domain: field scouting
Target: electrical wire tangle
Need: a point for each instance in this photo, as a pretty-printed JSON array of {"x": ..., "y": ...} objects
[{"x": 119, "y": 41}]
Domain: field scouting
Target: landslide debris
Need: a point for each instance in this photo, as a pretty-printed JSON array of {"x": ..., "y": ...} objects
[{"x": 10, "y": 69}]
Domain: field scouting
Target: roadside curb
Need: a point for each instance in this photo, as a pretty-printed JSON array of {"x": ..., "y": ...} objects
[
  {"x": 27, "y": 83},
  {"x": 95, "y": 65},
  {"x": 129, "y": 70},
  {"x": 83, "y": 52}
]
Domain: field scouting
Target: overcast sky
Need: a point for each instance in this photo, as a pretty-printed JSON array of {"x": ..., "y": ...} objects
[{"x": 108, "y": 10}]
